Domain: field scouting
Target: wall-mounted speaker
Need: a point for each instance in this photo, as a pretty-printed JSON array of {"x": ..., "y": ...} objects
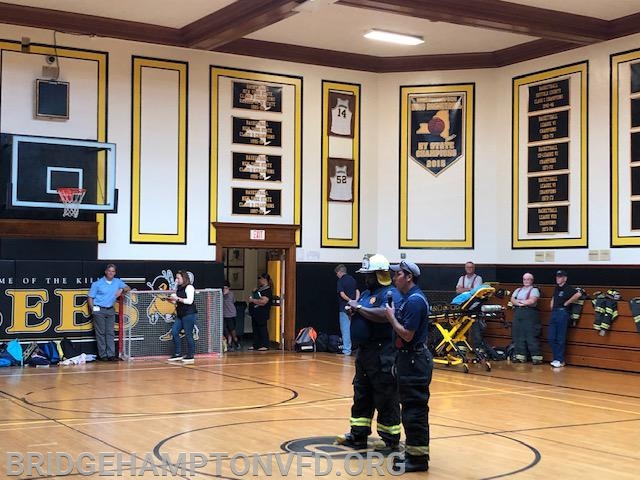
[{"x": 52, "y": 99}]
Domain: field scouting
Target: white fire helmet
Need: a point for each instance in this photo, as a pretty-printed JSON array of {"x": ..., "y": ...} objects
[
  {"x": 379, "y": 265},
  {"x": 374, "y": 263}
]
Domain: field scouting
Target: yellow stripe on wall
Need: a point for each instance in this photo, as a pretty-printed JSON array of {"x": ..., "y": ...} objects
[{"x": 137, "y": 236}]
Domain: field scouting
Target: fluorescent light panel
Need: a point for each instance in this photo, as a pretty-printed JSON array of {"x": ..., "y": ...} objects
[{"x": 392, "y": 37}]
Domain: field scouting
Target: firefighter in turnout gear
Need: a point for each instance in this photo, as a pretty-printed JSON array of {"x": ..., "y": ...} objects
[
  {"x": 374, "y": 387},
  {"x": 634, "y": 303},
  {"x": 605, "y": 306},
  {"x": 526, "y": 326},
  {"x": 414, "y": 365},
  {"x": 576, "y": 307}
]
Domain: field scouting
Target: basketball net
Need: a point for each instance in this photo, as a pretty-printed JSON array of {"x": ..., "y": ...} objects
[{"x": 71, "y": 198}]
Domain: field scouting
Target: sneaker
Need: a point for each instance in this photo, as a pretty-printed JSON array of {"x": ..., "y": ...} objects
[
  {"x": 188, "y": 360},
  {"x": 349, "y": 440},
  {"x": 557, "y": 364},
  {"x": 380, "y": 446},
  {"x": 536, "y": 362},
  {"x": 263, "y": 349},
  {"x": 175, "y": 358}
]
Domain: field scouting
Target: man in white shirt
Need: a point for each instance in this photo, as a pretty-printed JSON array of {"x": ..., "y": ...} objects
[{"x": 469, "y": 280}]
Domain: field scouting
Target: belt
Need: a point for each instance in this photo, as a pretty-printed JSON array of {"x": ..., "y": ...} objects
[
  {"x": 105, "y": 308},
  {"x": 412, "y": 348}
]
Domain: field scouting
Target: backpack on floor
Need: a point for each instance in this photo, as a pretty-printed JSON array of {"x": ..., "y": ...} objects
[
  {"x": 50, "y": 351},
  {"x": 322, "y": 342},
  {"x": 69, "y": 349},
  {"x": 306, "y": 340},
  {"x": 335, "y": 344},
  {"x": 11, "y": 354}
]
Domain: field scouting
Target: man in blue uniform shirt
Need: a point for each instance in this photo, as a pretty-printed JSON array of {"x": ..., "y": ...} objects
[
  {"x": 414, "y": 365},
  {"x": 102, "y": 297}
]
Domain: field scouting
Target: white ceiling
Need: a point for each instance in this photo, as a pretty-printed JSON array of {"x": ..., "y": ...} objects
[
  {"x": 325, "y": 25},
  {"x": 341, "y": 28}
]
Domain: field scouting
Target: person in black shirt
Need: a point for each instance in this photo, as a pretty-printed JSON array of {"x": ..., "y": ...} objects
[
  {"x": 260, "y": 309},
  {"x": 186, "y": 313},
  {"x": 563, "y": 296},
  {"x": 414, "y": 365},
  {"x": 347, "y": 290}
]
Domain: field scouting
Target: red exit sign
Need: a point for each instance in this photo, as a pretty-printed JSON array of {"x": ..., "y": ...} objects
[{"x": 257, "y": 234}]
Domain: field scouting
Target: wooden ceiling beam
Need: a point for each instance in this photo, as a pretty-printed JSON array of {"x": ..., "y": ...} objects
[
  {"x": 88, "y": 25},
  {"x": 299, "y": 54},
  {"x": 497, "y": 15},
  {"x": 236, "y": 21}
]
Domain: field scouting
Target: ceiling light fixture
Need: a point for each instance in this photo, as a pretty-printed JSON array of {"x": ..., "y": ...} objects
[{"x": 393, "y": 37}]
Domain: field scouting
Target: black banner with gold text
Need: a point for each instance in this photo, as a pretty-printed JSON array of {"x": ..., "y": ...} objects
[
  {"x": 436, "y": 130},
  {"x": 250, "y": 131},
  {"x": 548, "y": 219},
  {"x": 256, "y": 201},
  {"x": 549, "y": 126},
  {"x": 549, "y": 188},
  {"x": 552, "y": 156},
  {"x": 257, "y": 96},
  {"x": 253, "y": 166}
]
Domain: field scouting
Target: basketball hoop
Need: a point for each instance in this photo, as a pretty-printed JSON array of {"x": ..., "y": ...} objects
[{"x": 71, "y": 198}]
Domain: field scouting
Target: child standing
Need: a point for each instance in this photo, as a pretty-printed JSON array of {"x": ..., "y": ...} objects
[{"x": 229, "y": 315}]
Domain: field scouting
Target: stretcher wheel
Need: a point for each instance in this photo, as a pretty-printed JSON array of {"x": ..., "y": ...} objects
[
  {"x": 465, "y": 367},
  {"x": 487, "y": 366}
]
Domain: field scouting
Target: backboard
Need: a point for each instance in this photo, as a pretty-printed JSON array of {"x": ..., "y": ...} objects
[{"x": 41, "y": 165}]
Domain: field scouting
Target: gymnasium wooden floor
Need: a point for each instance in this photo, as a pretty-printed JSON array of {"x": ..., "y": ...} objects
[{"x": 518, "y": 421}]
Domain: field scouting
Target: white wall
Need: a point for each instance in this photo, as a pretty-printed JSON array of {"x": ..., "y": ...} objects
[{"x": 379, "y": 151}]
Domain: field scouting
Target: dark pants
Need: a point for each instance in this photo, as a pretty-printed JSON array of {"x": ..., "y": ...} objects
[
  {"x": 375, "y": 388},
  {"x": 104, "y": 325},
  {"x": 557, "y": 333},
  {"x": 526, "y": 329},
  {"x": 185, "y": 323},
  {"x": 413, "y": 370},
  {"x": 476, "y": 333},
  {"x": 260, "y": 332}
]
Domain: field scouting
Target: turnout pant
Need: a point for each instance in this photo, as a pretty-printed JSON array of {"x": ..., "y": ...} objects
[
  {"x": 413, "y": 370},
  {"x": 375, "y": 388},
  {"x": 526, "y": 329}
]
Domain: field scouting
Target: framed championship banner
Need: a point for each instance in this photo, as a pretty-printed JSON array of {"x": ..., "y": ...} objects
[
  {"x": 549, "y": 157},
  {"x": 256, "y": 201},
  {"x": 249, "y": 131},
  {"x": 625, "y": 149},
  {"x": 436, "y": 166},
  {"x": 255, "y": 173},
  {"x": 340, "y": 164},
  {"x": 256, "y": 166},
  {"x": 257, "y": 96}
]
